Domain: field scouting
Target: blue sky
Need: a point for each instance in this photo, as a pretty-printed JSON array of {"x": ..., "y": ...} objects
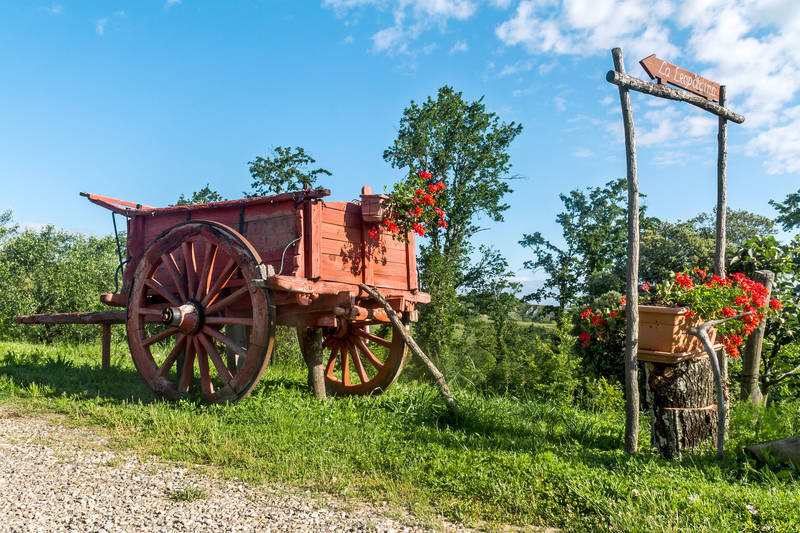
[{"x": 145, "y": 100}]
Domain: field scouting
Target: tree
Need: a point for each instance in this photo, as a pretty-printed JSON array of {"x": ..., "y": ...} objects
[
  {"x": 594, "y": 228},
  {"x": 595, "y": 233},
  {"x": 466, "y": 147},
  {"x": 7, "y": 229},
  {"x": 492, "y": 293},
  {"x": 287, "y": 170},
  {"x": 669, "y": 247},
  {"x": 52, "y": 271},
  {"x": 203, "y": 196},
  {"x": 741, "y": 226},
  {"x": 789, "y": 211}
]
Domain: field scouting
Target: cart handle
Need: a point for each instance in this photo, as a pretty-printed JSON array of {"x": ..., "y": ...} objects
[{"x": 117, "y": 206}]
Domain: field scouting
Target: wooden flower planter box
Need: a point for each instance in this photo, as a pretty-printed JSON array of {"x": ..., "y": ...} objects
[
  {"x": 374, "y": 207},
  {"x": 662, "y": 331}
]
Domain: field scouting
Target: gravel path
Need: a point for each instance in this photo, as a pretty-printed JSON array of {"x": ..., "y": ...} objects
[{"x": 56, "y": 478}]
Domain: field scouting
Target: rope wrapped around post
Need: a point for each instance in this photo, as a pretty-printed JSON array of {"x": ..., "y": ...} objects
[
  {"x": 444, "y": 390},
  {"x": 701, "y": 332}
]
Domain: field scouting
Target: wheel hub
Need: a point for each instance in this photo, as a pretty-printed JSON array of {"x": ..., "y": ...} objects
[{"x": 188, "y": 317}]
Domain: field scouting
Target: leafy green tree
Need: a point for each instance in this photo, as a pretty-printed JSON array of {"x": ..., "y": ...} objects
[
  {"x": 53, "y": 271},
  {"x": 592, "y": 261},
  {"x": 788, "y": 211},
  {"x": 741, "y": 226},
  {"x": 466, "y": 147},
  {"x": 204, "y": 196},
  {"x": 594, "y": 228},
  {"x": 7, "y": 229},
  {"x": 286, "y": 170},
  {"x": 492, "y": 293},
  {"x": 668, "y": 247}
]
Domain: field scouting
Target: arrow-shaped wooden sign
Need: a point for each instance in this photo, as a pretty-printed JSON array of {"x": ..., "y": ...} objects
[{"x": 669, "y": 73}]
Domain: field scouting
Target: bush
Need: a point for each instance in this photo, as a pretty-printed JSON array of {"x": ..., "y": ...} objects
[
  {"x": 537, "y": 361},
  {"x": 53, "y": 271},
  {"x": 601, "y": 338}
]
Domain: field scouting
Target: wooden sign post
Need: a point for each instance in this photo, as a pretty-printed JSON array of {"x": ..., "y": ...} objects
[{"x": 704, "y": 94}]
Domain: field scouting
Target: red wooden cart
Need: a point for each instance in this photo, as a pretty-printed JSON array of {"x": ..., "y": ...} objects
[{"x": 205, "y": 285}]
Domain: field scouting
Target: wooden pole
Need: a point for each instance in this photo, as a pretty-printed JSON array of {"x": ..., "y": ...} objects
[
  {"x": 632, "y": 280},
  {"x": 701, "y": 332},
  {"x": 722, "y": 187},
  {"x": 444, "y": 390},
  {"x": 751, "y": 357},
  {"x": 629, "y": 82},
  {"x": 311, "y": 341},
  {"x": 106, "y": 358}
]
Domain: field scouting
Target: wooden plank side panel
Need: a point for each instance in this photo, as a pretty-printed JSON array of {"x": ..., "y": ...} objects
[
  {"x": 313, "y": 239},
  {"x": 342, "y": 214},
  {"x": 338, "y": 268}
]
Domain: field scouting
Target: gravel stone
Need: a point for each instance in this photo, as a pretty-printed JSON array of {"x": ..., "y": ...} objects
[{"x": 58, "y": 478}]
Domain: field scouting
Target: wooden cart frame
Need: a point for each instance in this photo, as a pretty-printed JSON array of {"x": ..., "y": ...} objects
[{"x": 203, "y": 286}]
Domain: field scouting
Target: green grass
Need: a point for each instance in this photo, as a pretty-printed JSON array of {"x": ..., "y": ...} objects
[
  {"x": 187, "y": 494},
  {"x": 500, "y": 461}
]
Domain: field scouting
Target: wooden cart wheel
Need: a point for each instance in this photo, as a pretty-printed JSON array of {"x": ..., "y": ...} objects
[
  {"x": 190, "y": 285},
  {"x": 363, "y": 357}
]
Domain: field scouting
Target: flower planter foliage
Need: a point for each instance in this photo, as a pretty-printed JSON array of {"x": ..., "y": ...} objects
[
  {"x": 688, "y": 299},
  {"x": 410, "y": 207}
]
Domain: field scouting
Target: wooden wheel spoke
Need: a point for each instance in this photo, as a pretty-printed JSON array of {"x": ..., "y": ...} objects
[
  {"x": 227, "y": 341},
  {"x": 163, "y": 370},
  {"x": 345, "y": 364},
  {"x": 190, "y": 268},
  {"x": 225, "y": 275},
  {"x": 209, "y": 259},
  {"x": 331, "y": 362},
  {"x": 362, "y": 323},
  {"x": 174, "y": 274},
  {"x": 219, "y": 364},
  {"x": 224, "y": 303},
  {"x": 374, "y": 338},
  {"x": 206, "y": 387},
  {"x": 241, "y": 321},
  {"x": 370, "y": 356},
  {"x": 160, "y": 289},
  {"x": 185, "y": 379},
  {"x": 362, "y": 375},
  {"x": 160, "y": 336}
]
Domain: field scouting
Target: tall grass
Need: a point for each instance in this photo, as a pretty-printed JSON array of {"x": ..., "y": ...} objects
[{"x": 500, "y": 461}]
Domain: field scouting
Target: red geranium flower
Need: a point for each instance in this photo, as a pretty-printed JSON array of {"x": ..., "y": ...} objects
[{"x": 775, "y": 304}]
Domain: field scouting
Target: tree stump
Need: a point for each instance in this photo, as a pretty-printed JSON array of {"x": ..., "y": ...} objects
[{"x": 681, "y": 398}]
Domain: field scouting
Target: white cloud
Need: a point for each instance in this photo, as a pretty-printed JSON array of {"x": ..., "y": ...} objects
[
  {"x": 582, "y": 153},
  {"x": 169, "y": 3},
  {"x": 749, "y": 45},
  {"x": 515, "y": 68},
  {"x": 100, "y": 26},
  {"x": 585, "y": 26},
  {"x": 670, "y": 158},
  {"x": 412, "y": 18},
  {"x": 349, "y": 39},
  {"x": 459, "y": 46},
  {"x": 54, "y": 9},
  {"x": 560, "y": 103}
]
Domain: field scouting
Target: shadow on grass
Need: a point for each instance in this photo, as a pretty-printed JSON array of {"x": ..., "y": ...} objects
[{"x": 53, "y": 377}]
